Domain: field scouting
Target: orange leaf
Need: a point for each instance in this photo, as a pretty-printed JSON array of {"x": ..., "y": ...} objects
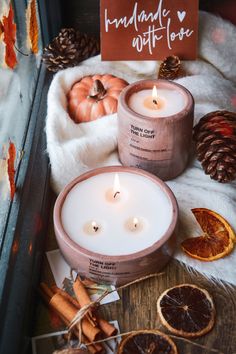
[
  {"x": 33, "y": 27},
  {"x": 9, "y": 29},
  {"x": 11, "y": 168}
]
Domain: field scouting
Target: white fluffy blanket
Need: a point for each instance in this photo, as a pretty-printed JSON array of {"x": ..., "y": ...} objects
[{"x": 74, "y": 149}]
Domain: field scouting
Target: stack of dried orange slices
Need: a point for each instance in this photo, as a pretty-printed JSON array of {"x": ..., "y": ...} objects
[{"x": 216, "y": 242}]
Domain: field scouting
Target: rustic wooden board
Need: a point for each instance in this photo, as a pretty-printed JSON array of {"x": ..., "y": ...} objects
[
  {"x": 137, "y": 307},
  {"x": 137, "y": 310}
]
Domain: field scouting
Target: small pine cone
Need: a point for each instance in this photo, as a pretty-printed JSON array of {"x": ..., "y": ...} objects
[
  {"x": 215, "y": 137},
  {"x": 68, "y": 49},
  {"x": 169, "y": 68}
]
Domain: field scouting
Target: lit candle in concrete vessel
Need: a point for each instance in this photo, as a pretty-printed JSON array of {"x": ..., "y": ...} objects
[
  {"x": 116, "y": 233},
  {"x": 157, "y": 103},
  {"x": 155, "y": 129}
]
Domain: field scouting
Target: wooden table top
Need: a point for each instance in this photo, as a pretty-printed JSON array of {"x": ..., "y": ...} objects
[{"x": 137, "y": 307}]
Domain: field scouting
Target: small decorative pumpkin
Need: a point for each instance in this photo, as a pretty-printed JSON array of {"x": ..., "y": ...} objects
[{"x": 94, "y": 96}]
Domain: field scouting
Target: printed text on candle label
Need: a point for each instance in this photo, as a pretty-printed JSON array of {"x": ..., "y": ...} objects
[
  {"x": 95, "y": 265},
  {"x": 147, "y": 144},
  {"x": 142, "y": 132},
  {"x": 157, "y": 28}
]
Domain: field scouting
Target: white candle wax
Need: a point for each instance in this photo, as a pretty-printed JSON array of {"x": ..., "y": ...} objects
[
  {"x": 169, "y": 102},
  {"x": 140, "y": 199}
]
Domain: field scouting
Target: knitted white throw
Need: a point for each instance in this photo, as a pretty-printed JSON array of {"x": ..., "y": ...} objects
[{"x": 76, "y": 148}]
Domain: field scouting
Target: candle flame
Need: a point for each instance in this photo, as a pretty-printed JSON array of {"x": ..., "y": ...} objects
[
  {"x": 94, "y": 226},
  {"x": 135, "y": 222},
  {"x": 154, "y": 95},
  {"x": 116, "y": 185}
]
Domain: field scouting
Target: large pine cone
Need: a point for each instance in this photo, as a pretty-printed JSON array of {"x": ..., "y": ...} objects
[
  {"x": 215, "y": 137},
  {"x": 68, "y": 49}
]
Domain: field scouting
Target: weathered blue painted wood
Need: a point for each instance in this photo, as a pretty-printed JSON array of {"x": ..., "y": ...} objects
[{"x": 25, "y": 233}]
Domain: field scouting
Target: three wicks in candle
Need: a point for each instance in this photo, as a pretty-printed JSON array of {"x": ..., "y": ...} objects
[{"x": 132, "y": 224}]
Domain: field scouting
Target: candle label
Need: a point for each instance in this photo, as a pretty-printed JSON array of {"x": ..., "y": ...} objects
[
  {"x": 142, "y": 132},
  {"x": 148, "y": 30},
  {"x": 147, "y": 144},
  {"x": 103, "y": 271}
]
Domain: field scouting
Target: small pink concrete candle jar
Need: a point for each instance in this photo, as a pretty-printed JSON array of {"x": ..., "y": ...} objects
[
  {"x": 155, "y": 121},
  {"x": 116, "y": 224}
]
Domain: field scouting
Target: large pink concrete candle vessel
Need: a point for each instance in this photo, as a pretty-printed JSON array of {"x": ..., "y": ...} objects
[
  {"x": 155, "y": 121},
  {"x": 115, "y": 224}
]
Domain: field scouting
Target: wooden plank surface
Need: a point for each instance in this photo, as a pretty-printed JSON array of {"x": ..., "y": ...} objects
[{"x": 137, "y": 307}]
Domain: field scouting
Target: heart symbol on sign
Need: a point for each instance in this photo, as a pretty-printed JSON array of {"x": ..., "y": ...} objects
[{"x": 181, "y": 15}]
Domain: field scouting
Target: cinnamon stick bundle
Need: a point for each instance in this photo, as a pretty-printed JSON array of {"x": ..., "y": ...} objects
[
  {"x": 47, "y": 295},
  {"x": 55, "y": 289},
  {"x": 67, "y": 307},
  {"x": 92, "y": 348},
  {"x": 83, "y": 298},
  {"x": 68, "y": 310}
]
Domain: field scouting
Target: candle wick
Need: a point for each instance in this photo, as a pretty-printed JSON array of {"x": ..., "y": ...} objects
[
  {"x": 154, "y": 101},
  {"x": 95, "y": 228},
  {"x": 116, "y": 194},
  {"x": 135, "y": 223}
]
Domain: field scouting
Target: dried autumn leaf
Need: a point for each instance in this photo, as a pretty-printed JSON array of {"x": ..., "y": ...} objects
[
  {"x": 11, "y": 168},
  {"x": 9, "y": 38},
  {"x": 32, "y": 26}
]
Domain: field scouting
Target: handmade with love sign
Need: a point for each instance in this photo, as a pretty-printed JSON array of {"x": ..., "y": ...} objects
[{"x": 148, "y": 29}]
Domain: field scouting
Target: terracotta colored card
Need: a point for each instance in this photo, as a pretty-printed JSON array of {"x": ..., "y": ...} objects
[{"x": 148, "y": 29}]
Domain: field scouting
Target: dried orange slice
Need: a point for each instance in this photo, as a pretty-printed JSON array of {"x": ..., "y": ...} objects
[
  {"x": 147, "y": 341},
  {"x": 186, "y": 310},
  {"x": 217, "y": 241}
]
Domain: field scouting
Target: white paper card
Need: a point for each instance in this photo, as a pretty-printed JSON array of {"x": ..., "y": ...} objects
[{"x": 62, "y": 275}]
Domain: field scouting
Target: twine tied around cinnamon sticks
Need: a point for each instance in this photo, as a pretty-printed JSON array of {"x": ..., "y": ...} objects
[
  {"x": 78, "y": 314},
  {"x": 84, "y": 311},
  {"x": 92, "y": 305}
]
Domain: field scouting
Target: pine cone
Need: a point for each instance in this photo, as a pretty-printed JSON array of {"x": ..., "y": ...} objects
[
  {"x": 169, "y": 68},
  {"x": 215, "y": 137},
  {"x": 68, "y": 49}
]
